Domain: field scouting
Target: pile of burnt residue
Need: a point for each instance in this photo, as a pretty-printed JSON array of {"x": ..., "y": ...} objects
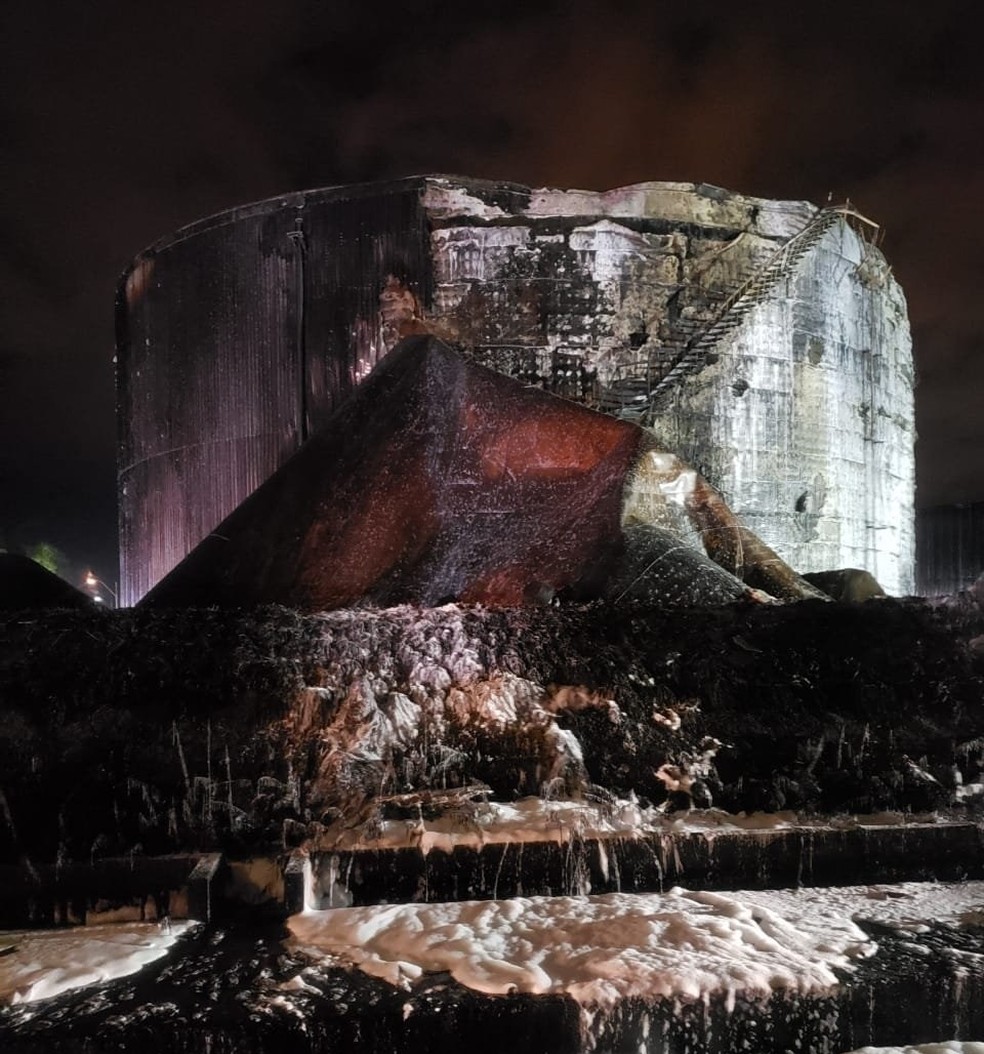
[{"x": 144, "y": 732}]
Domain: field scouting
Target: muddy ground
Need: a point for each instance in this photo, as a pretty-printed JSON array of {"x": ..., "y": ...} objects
[{"x": 142, "y": 732}]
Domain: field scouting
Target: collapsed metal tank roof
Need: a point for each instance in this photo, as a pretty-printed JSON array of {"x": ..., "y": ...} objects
[{"x": 440, "y": 481}]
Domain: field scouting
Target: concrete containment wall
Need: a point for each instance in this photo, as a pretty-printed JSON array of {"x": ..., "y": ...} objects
[{"x": 787, "y": 381}]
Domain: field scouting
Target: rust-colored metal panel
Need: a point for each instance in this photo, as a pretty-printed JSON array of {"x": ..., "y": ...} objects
[{"x": 437, "y": 481}]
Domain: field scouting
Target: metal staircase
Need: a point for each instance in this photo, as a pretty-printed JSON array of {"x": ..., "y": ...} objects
[{"x": 636, "y": 386}]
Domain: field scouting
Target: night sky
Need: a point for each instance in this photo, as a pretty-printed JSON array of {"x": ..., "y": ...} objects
[{"x": 122, "y": 122}]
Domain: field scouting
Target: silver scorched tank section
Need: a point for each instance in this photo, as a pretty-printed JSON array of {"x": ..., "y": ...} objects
[{"x": 765, "y": 341}]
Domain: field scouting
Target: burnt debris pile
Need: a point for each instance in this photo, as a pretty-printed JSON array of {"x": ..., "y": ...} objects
[
  {"x": 369, "y": 755},
  {"x": 144, "y": 732},
  {"x": 432, "y": 730}
]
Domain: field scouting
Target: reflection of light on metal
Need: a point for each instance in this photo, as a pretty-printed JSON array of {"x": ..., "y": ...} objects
[
  {"x": 361, "y": 371},
  {"x": 98, "y": 599}
]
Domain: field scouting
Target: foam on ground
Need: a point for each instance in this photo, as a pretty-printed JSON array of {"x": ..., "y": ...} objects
[
  {"x": 602, "y": 949},
  {"x": 39, "y": 964}
]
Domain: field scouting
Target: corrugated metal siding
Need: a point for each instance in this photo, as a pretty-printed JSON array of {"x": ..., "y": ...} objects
[
  {"x": 207, "y": 388},
  {"x": 949, "y": 548},
  {"x": 351, "y": 246},
  {"x": 236, "y": 339}
]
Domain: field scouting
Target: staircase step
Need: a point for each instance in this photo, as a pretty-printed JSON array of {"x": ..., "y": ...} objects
[
  {"x": 743, "y": 297},
  {"x": 178, "y": 885}
]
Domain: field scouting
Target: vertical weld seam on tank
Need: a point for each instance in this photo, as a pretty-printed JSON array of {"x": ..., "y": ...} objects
[{"x": 298, "y": 240}]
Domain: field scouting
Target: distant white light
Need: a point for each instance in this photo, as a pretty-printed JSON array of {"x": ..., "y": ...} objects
[{"x": 97, "y": 587}]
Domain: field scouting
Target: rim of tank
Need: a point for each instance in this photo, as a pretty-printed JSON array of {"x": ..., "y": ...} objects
[{"x": 348, "y": 191}]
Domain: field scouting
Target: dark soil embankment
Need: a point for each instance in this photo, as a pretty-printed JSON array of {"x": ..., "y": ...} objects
[{"x": 145, "y": 732}]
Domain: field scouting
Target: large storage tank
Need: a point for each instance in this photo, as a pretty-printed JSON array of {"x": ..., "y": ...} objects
[
  {"x": 949, "y": 548},
  {"x": 767, "y": 342}
]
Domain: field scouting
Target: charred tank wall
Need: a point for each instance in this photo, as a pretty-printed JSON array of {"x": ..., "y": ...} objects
[
  {"x": 805, "y": 419},
  {"x": 236, "y": 339},
  {"x": 580, "y": 291},
  {"x": 238, "y": 336},
  {"x": 950, "y": 548}
]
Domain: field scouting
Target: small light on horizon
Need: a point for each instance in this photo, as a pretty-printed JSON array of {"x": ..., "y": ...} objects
[{"x": 97, "y": 588}]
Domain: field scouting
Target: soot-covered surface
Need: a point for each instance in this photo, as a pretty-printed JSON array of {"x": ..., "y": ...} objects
[
  {"x": 141, "y": 732},
  {"x": 24, "y": 583},
  {"x": 438, "y": 480}
]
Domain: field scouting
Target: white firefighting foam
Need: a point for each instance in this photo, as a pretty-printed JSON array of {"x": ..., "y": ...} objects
[
  {"x": 39, "y": 964},
  {"x": 602, "y": 949}
]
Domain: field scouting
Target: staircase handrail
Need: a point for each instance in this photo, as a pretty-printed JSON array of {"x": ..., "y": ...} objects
[{"x": 753, "y": 289}]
